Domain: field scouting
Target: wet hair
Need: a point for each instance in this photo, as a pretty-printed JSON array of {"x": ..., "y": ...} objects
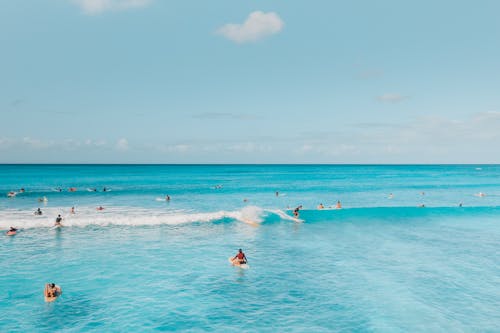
[
  {"x": 52, "y": 285},
  {"x": 240, "y": 250}
]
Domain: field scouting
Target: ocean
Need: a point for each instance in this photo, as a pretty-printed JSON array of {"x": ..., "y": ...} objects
[{"x": 414, "y": 248}]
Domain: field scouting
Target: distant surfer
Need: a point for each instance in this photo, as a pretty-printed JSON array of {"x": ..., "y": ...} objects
[
  {"x": 240, "y": 257},
  {"x": 338, "y": 205},
  {"x": 12, "y": 231},
  {"x": 320, "y": 206},
  {"x": 296, "y": 211},
  {"x": 104, "y": 189},
  {"x": 38, "y": 212},
  {"x": 58, "y": 221}
]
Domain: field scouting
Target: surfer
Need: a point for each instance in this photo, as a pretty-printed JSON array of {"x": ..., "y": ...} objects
[
  {"x": 296, "y": 211},
  {"x": 104, "y": 189},
  {"x": 58, "y": 221},
  {"x": 12, "y": 231},
  {"x": 240, "y": 256},
  {"x": 38, "y": 212}
]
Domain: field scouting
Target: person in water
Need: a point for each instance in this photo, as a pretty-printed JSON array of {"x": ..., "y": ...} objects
[
  {"x": 167, "y": 198},
  {"x": 58, "y": 221},
  {"x": 38, "y": 212},
  {"x": 52, "y": 290},
  {"x": 242, "y": 259},
  {"x": 73, "y": 210},
  {"x": 12, "y": 229},
  {"x": 338, "y": 205},
  {"x": 320, "y": 206}
]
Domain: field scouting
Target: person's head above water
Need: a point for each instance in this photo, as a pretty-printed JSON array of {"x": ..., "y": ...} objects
[
  {"x": 240, "y": 250},
  {"x": 52, "y": 285}
]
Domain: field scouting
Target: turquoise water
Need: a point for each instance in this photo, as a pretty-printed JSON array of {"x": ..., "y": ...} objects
[{"x": 380, "y": 264}]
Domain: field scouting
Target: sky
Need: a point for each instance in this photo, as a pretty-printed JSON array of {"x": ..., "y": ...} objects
[{"x": 242, "y": 81}]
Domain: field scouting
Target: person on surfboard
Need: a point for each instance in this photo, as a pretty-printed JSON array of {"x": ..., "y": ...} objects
[
  {"x": 58, "y": 221},
  {"x": 242, "y": 259}
]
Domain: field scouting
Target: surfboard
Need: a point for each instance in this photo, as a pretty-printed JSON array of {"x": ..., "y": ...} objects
[
  {"x": 11, "y": 233},
  {"x": 237, "y": 264}
]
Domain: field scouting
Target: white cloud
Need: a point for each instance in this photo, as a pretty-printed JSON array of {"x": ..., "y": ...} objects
[
  {"x": 257, "y": 26},
  {"x": 93, "y": 7},
  {"x": 122, "y": 144},
  {"x": 392, "y": 98}
]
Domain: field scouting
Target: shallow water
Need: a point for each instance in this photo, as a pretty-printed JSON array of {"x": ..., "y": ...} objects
[{"x": 379, "y": 264}]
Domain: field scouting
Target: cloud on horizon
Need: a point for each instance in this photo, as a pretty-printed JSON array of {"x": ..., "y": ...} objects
[
  {"x": 258, "y": 25},
  {"x": 392, "y": 98},
  {"x": 95, "y": 7},
  {"x": 429, "y": 139}
]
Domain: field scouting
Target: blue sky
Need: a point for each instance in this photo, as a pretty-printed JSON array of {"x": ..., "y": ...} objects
[{"x": 156, "y": 81}]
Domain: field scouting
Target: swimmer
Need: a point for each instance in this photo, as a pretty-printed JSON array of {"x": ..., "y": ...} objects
[
  {"x": 277, "y": 193},
  {"x": 460, "y": 205},
  {"x": 100, "y": 208},
  {"x": 21, "y": 190},
  {"x": 240, "y": 256},
  {"x": 338, "y": 205},
  {"x": 320, "y": 206},
  {"x": 72, "y": 210},
  {"x": 245, "y": 200},
  {"x": 104, "y": 189},
  {"x": 421, "y": 206},
  {"x": 167, "y": 198},
  {"x": 481, "y": 194},
  {"x": 72, "y": 189},
  {"x": 51, "y": 292},
  {"x": 390, "y": 196},
  {"x": 58, "y": 221},
  {"x": 11, "y": 194},
  {"x": 38, "y": 212}
]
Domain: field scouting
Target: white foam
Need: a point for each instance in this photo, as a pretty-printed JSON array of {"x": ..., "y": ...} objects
[{"x": 129, "y": 216}]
